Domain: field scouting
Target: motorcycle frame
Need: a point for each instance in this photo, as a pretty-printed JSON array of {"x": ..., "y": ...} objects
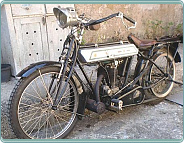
[{"x": 149, "y": 62}]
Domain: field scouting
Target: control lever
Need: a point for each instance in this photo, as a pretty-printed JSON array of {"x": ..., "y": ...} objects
[{"x": 122, "y": 16}]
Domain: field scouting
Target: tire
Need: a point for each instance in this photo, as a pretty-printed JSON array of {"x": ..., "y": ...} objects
[
  {"x": 167, "y": 87},
  {"x": 30, "y": 112}
]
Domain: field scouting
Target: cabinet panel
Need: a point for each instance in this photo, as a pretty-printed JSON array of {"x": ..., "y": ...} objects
[
  {"x": 27, "y": 9},
  {"x": 31, "y": 37},
  {"x": 31, "y": 40},
  {"x": 56, "y": 37},
  {"x": 50, "y": 7}
]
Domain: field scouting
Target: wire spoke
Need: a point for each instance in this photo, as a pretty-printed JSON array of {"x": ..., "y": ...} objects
[
  {"x": 35, "y": 125},
  {"x": 33, "y": 95},
  {"x": 44, "y": 122},
  {"x": 28, "y": 110},
  {"x": 67, "y": 111},
  {"x": 51, "y": 81},
  {"x": 30, "y": 119},
  {"x": 32, "y": 105},
  {"x": 59, "y": 117},
  {"x": 67, "y": 104},
  {"x": 51, "y": 127},
  {"x": 35, "y": 115},
  {"x": 38, "y": 127},
  {"x": 36, "y": 91},
  {"x": 27, "y": 99},
  {"x": 26, "y": 116},
  {"x": 57, "y": 120},
  {"x": 65, "y": 95},
  {"x": 46, "y": 126},
  {"x": 37, "y": 87},
  {"x": 43, "y": 82}
]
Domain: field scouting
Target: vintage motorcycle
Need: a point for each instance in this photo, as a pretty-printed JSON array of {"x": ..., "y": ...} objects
[{"x": 50, "y": 96}]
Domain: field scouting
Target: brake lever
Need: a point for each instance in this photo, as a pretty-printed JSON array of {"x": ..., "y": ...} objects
[
  {"x": 83, "y": 19},
  {"x": 120, "y": 15},
  {"x": 82, "y": 16}
]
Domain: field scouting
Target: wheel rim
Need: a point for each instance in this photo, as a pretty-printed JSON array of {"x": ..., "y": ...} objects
[
  {"x": 165, "y": 86},
  {"x": 35, "y": 115}
]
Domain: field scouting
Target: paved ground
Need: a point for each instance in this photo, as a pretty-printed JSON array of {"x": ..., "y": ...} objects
[{"x": 162, "y": 121}]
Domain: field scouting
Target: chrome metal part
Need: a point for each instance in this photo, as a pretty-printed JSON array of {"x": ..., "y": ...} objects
[
  {"x": 116, "y": 104},
  {"x": 120, "y": 15},
  {"x": 66, "y": 17},
  {"x": 108, "y": 52}
]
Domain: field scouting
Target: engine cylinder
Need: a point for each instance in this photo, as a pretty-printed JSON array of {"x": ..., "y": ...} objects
[{"x": 112, "y": 75}]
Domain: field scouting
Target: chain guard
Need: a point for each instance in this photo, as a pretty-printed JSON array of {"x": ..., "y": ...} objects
[{"x": 134, "y": 98}]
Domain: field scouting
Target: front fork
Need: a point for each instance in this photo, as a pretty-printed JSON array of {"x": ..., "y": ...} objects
[{"x": 68, "y": 62}]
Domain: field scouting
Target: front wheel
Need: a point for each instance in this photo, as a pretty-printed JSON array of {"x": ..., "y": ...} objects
[
  {"x": 162, "y": 85},
  {"x": 30, "y": 106}
]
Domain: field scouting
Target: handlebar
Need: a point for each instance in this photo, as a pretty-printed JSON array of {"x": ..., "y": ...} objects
[
  {"x": 129, "y": 19},
  {"x": 100, "y": 20},
  {"x": 119, "y": 14}
]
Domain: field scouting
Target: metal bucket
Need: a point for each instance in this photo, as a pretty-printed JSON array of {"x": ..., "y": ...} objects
[{"x": 5, "y": 72}]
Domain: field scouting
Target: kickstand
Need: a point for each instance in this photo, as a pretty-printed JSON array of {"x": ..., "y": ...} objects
[{"x": 177, "y": 82}]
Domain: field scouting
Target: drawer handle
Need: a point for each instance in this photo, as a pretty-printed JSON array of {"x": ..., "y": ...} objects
[
  {"x": 26, "y": 6},
  {"x": 44, "y": 20}
]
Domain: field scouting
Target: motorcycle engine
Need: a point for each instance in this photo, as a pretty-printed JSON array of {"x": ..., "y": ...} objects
[{"x": 114, "y": 70}]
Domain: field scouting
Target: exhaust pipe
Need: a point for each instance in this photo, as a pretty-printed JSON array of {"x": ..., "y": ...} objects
[{"x": 97, "y": 107}]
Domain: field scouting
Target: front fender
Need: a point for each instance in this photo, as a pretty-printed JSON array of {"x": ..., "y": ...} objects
[
  {"x": 35, "y": 66},
  {"x": 80, "y": 88}
]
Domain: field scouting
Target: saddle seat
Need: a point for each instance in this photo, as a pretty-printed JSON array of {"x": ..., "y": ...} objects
[{"x": 141, "y": 44}]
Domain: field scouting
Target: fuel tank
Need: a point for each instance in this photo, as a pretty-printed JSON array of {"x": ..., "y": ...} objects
[{"x": 107, "y": 51}]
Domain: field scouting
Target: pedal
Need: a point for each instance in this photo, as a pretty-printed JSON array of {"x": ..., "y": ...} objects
[{"x": 116, "y": 104}]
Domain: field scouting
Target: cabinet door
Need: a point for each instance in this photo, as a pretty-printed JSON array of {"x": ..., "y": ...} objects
[
  {"x": 32, "y": 42},
  {"x": 56, "y": 37}
]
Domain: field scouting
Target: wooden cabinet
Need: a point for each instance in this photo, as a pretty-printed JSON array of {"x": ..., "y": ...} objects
[
  {"x": 33, "y": 32},
  {"x": 27, "y": 9},
  {"x": 49, "y": 7},
  {"x": 55, "y": 38},
  {"x": 31, "y": 41}
]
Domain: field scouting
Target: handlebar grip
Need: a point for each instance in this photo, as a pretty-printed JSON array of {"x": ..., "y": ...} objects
[
  {"x": 101, "y": 20},
  {"x": 94, "y": 27},
  {"x": 129, "y": 19}
]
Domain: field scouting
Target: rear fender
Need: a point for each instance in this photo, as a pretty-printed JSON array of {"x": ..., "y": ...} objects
[
  {"x": 172, "y": 50},
  {"x": 80, "y": 88}
]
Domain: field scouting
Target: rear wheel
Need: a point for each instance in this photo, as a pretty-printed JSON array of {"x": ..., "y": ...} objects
[
  {"x": 164, "y": 84},
  {"x": 30, "y": 106}
]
